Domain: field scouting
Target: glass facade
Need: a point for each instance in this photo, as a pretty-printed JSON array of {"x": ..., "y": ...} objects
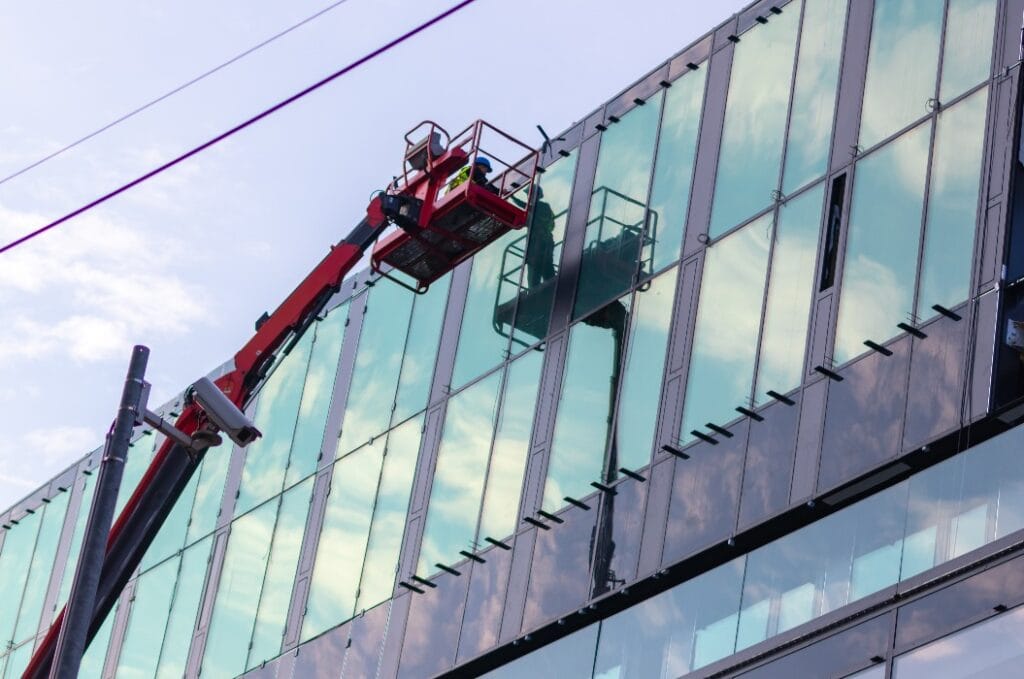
[{"x": 627, "y": 384}]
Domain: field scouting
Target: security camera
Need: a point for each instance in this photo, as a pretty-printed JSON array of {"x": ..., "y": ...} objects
[{"x": 223, "y": 413}]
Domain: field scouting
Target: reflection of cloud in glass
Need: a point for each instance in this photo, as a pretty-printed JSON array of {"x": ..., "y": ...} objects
[{"x": 968, "y": 49}]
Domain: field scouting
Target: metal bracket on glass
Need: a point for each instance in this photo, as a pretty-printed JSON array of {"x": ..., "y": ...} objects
[
  {"x": 775, "y": 10},
  {"x": 761, "y": 20},
  {"x": 632, "y": 474},
  {"x": 719, "y": 430},
  {"x": 781, "y": 398},
  {"x": 703, "y": 437},
  {"x": 734, "y": 38},
  {"x": 603, "y": 487},
  {"x": 948, "y": 313},
  {"x": 672, "y": 450},
  {"x": 425, "y": 582},
  {"x": 638, "y": 101},
  {"x": 878, "y": 347},
  {"x": 576, "y": 503},
  {"x": 613, "y": 119},
  {"x": 832, "y": 375},
  {"x": 534, "y": 522},
  {"x": 692, "y": 66},
  {"x": 498, "y": 543},
  {"x": 777, "y": 196},
  {"x": 550, "y": 517},
  {"x": 855, "y": 150},
  {"x": 916, "y": 332},
  {"x": 601, "y": 127},
  {"x": 933, "y": 105},
  {"x": 742, "y": 410},
  {"x": 411, "y": 588},
  {"x": 666, "y": 84},
  {"x": 446, "y": 569},
  {"x": 472, "y": 557}
]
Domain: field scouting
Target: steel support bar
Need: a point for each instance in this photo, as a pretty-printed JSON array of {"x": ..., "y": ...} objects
[{"x": 74, "y": 632}]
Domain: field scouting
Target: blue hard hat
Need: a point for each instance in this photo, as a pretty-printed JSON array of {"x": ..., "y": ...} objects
[{"x": 480, "y": 160}]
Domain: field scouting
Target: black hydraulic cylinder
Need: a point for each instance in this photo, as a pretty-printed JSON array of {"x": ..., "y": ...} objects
[{"x": 78, "y": 616}]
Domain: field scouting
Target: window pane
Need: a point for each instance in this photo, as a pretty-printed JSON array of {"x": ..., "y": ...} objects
[
  {"x": 641, "y": 381},
  {"x": 17, "y": 661},
  {"x": 421, "y": 350},
  {"x": 171, "y": 536},
  {"x": 234, "y": 611},
  {"x": 371, "y": 396},
  {"x": 316, "y": 395},
  {"x": 147, "y": 619},
  {"x": 902, "y": 64},
  {"x": 987, "y": 649},
  {"x": 673, "y": 169},
  {"x": 755, "y": 121},
  {"x": 96, "y": 653},
  {"x": 728, "y": 320},
  {"x": 511, "y": 447},
  {"x": 953, "y": 204},
  {"x": 184, "y": 606},
  {"x": 42, "y": 567},
  {"x": 88, "y": 484},
  {"x": 388, "y": 525},
  {"x": 209, "y": 492},
  {"x": 882, "y": 243},
  {"x": 482, "y": 345},
  {"x": 571, "y": 657},
  {"x": 585, "y": 404},
  {"x": 18, "y": 544},
  {"x": 140, "y": 454},
  {"x": 967, "y": 60},
  {"x": 789, "y": 294},
  {"x": 814, "y": 94},
  {"x": 543, "y": 253},
  {"x": 276, "y": 412},
  {"x": 618, "y": 209},
  {"x": 459, "y": 477},
  {"x": 342, "y": 543}
]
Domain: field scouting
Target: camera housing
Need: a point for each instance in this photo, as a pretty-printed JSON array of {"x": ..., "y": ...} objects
[{"x": 223, "y": 413}]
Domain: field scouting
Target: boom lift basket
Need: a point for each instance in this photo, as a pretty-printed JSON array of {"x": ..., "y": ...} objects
[{"x": 443, "y": 221}]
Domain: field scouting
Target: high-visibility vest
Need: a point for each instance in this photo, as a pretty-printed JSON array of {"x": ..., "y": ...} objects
[{"x": 461, "y": 178}]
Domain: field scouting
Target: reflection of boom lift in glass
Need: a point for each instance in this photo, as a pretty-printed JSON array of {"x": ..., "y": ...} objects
[{"x": 626, "y": 230}]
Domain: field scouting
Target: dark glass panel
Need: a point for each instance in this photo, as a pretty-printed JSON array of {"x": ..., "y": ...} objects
[
  {"x": 485, "y": 604},
  {"x": 560, "y": 576},
  {"x": 322, "y": 656},
  {"x": 933, "y": 398},
  {"x": 365, "y": 641},
  {"x": 987, "y": 649},
  {"x": 432, "y": 632},
  {"x": 769, "y": 464},
  {"x": 617, "y": 542},
  {"x": 571, "y": 657}
]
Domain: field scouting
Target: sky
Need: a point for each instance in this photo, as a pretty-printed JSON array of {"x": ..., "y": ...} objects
[{"x": 185, "y": 262}]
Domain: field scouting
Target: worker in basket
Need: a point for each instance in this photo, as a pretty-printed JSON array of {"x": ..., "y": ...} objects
[{"x": 477, "y": 174}]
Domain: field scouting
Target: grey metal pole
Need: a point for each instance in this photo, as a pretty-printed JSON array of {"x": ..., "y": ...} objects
[{"x": 74, "y": 633}]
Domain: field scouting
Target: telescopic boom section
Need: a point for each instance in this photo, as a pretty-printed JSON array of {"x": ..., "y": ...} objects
[{"x": 413, "y": 206}]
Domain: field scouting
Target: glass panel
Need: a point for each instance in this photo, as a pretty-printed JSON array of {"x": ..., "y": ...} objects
[
  {"x": 902, "y": 64},
  {"x": 641, "y": 382},
  {"x": 140, "y": 454},
  {"x": 209, "y": 492},
  {"x": 171, "y": 536},
  {"x": 728, "y": 320},
  {"x": 316, "y": 395},
  {"x": 421, "y": 350},
  {"x": 618, "y": 209},
  {"x": 342, "y": 544},
  {"x": 234, "y": 610},
  {"x": 96, "y": 653},
  {"x": 42, "y": 567},
  {"x": 388, "y": 527},
  {"x": 755, "y": 121},
  {"x": 988, "y": 649},
  {"x": 543, "y": 252},
  {"x": 459, "y": 477},
  {"x": 18, "y": 544},
  {"x": 673, "y": 169},
  {"x": 814, "y": 94},
  {"x": 18, "y": 660},
  {"x": 511, "y": 447},
  {"x": 378, "y": 364},
  {"x": 789, "y": 294},
  {"x": 585, "y": 404},
  {"x": 184, "y": 606},
  {"x": 276, "y": 411},
  {"x": 482, "y": 345},
  {"x": 276, "y": 592},
  {"x": 571, "y": 657},
  {"x": 88, "y": 482},
  {"x": 882, "y": 243},
  {"x": 967, "y": 59},
  {"x": 147, "y": 619},
  {"x": 876, "y": 672},
  {"x": 953, "y": 204}
]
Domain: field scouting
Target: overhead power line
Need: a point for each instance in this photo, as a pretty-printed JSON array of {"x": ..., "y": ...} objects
[
  {"x": 241, "y": 126},
  {"x": 179, "y": 88}
]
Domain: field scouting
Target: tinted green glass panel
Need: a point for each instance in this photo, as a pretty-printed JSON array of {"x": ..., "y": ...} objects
[
  {"x": 378, "y": 364},
  {"x": 459, "y": 476},
  {"x": 316, "y": 396},
  {"x": 234, "y": 611},
  {"x": 481, "y": 345},
  {"x": 140, "y": 454},
  {"x": 673, "y": 169},
  {"x": 276, "y": 413},
  {"x": 728, "y": 320},
  {"x": 209, "y": 492},
  {"x": 755, "y": 121},
  {"x": 967, "y": 59},
  {"x": 96, "y": 653},
  {"x": 18, "y": 660},
  {"x": 343, "y": 538},
  {"x": 42, "y": 567},
  {"x": 616, "y": 222},
  {"x": 814, "y": 94},
  {"x": 19, "y": 543},
  {"x": 147, "y": 621},
  {"x": 277, "y": 585},
  {"x": 644, "y": 365},
  {"x": 585, "y": 404},
  {"x": 543, "y": 252},
  {"x": 421, "y": 350},
  {"x": 511, "y": 447},
  {"x": 171, "y": 536},
  {"x": 88, "y": 488},
  {"x": 882, "y": 243},
  {"x": 789, "y": 294},
  {"x": 953, "y": 204},
  {"x": 902, "y": 64},
  {"x": 188, "y": 593},
  {"x": 388, "y": 527}
]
